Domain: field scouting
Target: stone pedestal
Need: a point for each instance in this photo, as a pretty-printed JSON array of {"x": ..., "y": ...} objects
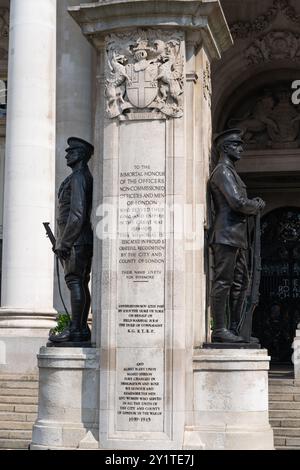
[
  {"x": 230, "y": 406},
  {"x": 68, "y": 399},
  {"x": 151, "y": 165}
]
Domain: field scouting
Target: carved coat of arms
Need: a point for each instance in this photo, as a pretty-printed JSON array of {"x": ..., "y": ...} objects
[{"x": 144, "y": 71}]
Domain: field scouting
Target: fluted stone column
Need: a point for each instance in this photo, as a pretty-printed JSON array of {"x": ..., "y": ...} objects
[{"x": 27, "y": 269}]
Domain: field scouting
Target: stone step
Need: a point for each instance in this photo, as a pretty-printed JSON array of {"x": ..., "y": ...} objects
[
  {"x": 295, "y": 442},
  {"x": 12, "y": 416},
  {"x": 284, "y": 414},
  {"x": 282, "y": 382},
  {"x": 18, "y": 408},
  {"x": 286, "y": 448},
  {"x": 18, "y": 384},
  {"x": 284, "y": 389},
  {"x": 23, "y": 392},
  {"x": 286, "y": 423},
  {"x": 7, "y": 407},
  {"x": 16, "y": 377},
  {"x": 279, "y": 441},
  {"x": 14, "y": 444},
  {"x": 19, "y": 400},
  {"x": 284, "y": 397},
  {"x": 284, "y": 405},
  {"x": 16, "y": 425},
  {"x": 15, "y": 434},
  {"x": 284, "y": 432}
]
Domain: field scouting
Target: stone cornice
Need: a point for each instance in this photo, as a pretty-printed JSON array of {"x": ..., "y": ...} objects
[{"x": 207, "y": 17}]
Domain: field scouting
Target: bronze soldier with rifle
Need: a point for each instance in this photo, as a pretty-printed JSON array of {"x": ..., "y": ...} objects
[
  {"x": 229, "y": 240},
  {"x": 74, "y": 243}
]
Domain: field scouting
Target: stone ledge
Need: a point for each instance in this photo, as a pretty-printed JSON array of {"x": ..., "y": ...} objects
[{"x": 101, "y": 18}]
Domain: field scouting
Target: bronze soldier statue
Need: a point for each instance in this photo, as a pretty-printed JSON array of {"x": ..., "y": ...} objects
[
  {"x": 74, "y": 244},
  {"x": 229, "y": 238}
]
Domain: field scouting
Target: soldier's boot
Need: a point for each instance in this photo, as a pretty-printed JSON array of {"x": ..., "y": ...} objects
[
  {"x": 78, "y": 302},
  {"x": 61, "y": 337},
  {"x": 220, "y": 333}
]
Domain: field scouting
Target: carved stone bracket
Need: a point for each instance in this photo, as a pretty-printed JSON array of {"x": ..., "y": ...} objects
[
  {"x": 244, "y": 29},
  {"x": 144, "y": 72},
  {"x": 276, "y": 45},
  {"x": 207, "y": 87}
]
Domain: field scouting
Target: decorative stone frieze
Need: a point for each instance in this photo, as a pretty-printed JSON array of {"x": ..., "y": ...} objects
[
  {"x": 244, "y": 29},
  {"x": 276, "y": 45}
]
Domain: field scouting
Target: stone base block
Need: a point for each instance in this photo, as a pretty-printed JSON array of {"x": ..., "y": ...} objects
[
  {"x": 22, "y": 334},
  {"x": 68, "y": 399},
  {"x": 230, "y": 401}
]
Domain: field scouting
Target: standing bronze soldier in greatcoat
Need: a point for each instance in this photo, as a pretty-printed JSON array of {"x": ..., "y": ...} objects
[
  {"x": 74, "y": 244},
  {"x": 229, "y": 238}
]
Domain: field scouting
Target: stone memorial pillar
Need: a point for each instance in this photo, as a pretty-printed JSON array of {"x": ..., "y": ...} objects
[{"x": 152, "y": 139}]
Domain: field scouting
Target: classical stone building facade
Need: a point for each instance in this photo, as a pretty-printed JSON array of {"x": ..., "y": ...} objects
[{"x": 70, "y": 68}]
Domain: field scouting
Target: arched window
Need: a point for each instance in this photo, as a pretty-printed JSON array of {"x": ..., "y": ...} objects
[{"x": 3, "y": 98}]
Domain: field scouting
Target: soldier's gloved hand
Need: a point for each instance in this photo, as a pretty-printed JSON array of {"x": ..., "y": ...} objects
[
  {"x": 62, "y": 254},
  {"x": 261, "y": 203}
]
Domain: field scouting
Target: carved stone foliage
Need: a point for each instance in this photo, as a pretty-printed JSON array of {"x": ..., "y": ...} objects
[
  {"x": 4, "y": 22},
  {"x": 276, "y": 45},
  {"x": 269, "y": 120},
  {"x": 207, "y": 87},
  {"x": 144, "y": 72},
  {"x": 244, "y": 29}
]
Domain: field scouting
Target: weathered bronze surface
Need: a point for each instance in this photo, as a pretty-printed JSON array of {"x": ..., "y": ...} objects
[
  {"x": 74, "y": 244},
  {"x": 230, "y": 242}
]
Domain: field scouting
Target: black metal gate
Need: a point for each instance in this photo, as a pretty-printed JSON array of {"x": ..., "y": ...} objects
[{"x": 278, "y": 313}]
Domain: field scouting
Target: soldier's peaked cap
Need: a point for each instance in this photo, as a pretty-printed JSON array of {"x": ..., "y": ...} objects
[
  {"x": 230, "y": 135},
  {"x": 76, "y": 142}
]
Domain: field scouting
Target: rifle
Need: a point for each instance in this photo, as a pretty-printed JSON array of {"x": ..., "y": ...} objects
[
  {"x": 50, "y": 234},
  {"x": 52, "y": 239},
  {"x": 245, "y": 327}
]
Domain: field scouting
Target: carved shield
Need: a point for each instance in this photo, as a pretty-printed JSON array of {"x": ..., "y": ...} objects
[{"x": 142, "y": 88}]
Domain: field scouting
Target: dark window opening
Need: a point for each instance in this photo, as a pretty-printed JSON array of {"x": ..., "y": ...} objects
[{"x": 278, "y": 313}]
